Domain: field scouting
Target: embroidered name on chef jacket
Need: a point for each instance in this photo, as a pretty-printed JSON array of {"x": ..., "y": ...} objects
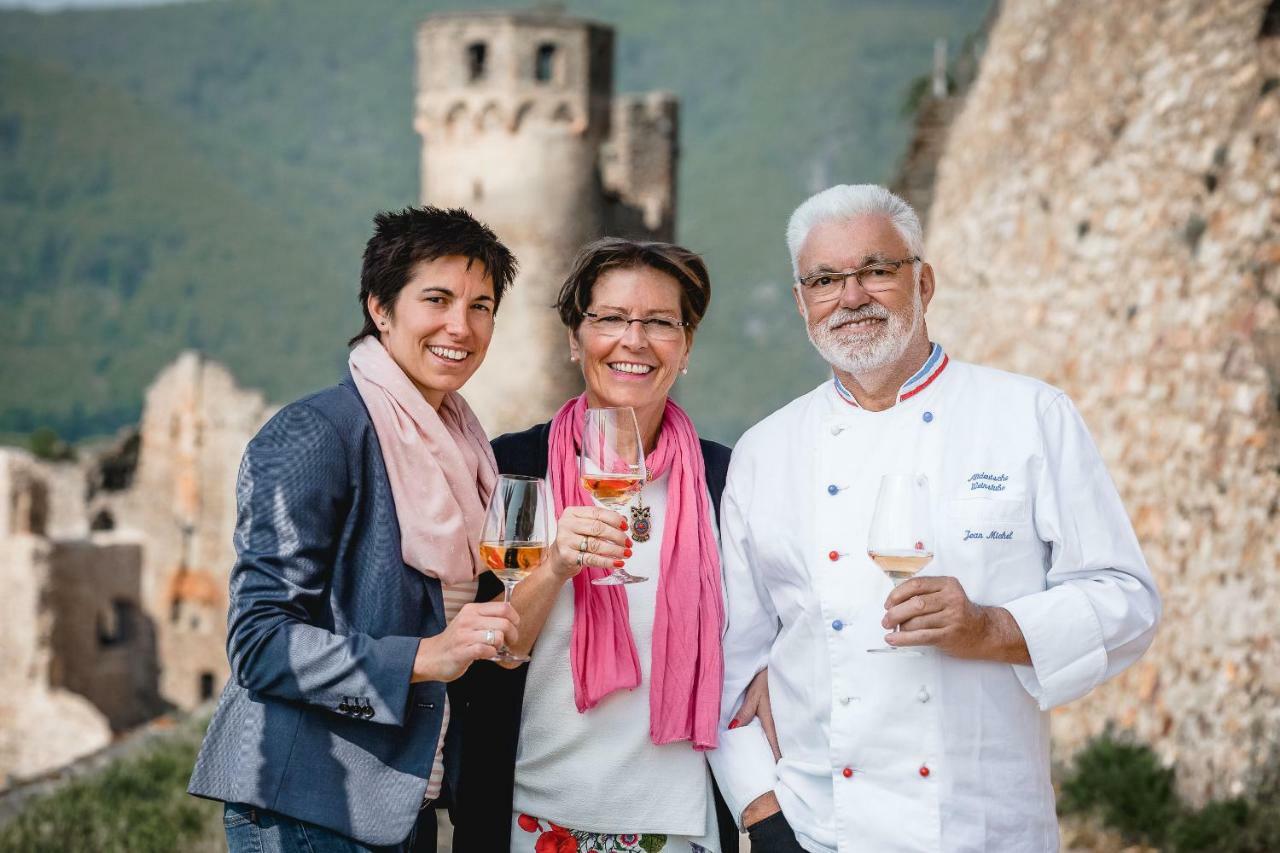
[{"x": 992, "y": 534}]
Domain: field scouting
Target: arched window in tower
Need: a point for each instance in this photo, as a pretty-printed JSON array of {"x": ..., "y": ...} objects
[
  {"x": 544, "y": 66},
  {"x": 477, "y": 57},
  {"x": 102, "y": 521}
]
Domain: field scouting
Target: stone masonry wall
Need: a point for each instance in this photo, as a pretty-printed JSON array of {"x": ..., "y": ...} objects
[
  {"x": 1107, "y": 218},
  {"x": 195, "y": 425},
  {"x": 41, "y": 726},
  {"x": 103, "y": 643}
]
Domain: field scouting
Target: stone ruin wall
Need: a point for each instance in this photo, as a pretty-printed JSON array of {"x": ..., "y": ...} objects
[
  {"x": 1107, "y": 218},
  {"x": 181, "y": 505},
  {"x": 41, "y": 724},
  {"x": 116, "y": 572}
]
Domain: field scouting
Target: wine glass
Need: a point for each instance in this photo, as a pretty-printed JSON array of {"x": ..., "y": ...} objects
[
  {"x": 612, "y": 469},
  {"x": 515, "y": 535},
  {"x": 900, "y": 541}
]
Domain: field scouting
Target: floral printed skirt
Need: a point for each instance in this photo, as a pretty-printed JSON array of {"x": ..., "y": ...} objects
[{"x": 530, "y": 834}]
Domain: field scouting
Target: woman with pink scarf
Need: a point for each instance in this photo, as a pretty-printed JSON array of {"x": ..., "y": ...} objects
[
  {"x": 608, "y": 725},
  {"x": 359, "y": 511}
]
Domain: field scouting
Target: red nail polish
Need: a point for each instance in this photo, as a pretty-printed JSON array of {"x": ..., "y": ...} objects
[
  {"x": 626, "y": 553},
  {"x": 628, "y": 543},
  {"x": 624, "y": 524},
  {"x": 733, "y": 724},
  {"x": 617, "y": 564}
]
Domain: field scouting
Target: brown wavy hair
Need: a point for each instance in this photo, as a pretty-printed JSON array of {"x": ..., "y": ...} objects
[{"x": 612, "y": 253}]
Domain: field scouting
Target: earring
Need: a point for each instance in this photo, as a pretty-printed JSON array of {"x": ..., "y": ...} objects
[
  {"x": 684, "y": 371},
  {"x": 573, "y": 358}
]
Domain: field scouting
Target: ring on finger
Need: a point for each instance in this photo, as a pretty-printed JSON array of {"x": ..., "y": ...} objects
[
  {"x": 582, "y": 546},
  {"x": 580, "y": 556},
  {"x": 490, "y": 637}
]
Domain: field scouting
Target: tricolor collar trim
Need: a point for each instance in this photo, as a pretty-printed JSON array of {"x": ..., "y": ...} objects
[{"x": 929, "y": 371}]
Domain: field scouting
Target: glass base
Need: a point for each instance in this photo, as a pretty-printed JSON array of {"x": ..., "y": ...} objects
[
  {"x": 617, "y": 578},
  {"x": 507, "y": 656},
  {"x": 896, "y": 651}
]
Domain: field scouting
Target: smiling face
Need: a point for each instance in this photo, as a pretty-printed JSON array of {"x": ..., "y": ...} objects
[
  {"x": 631, "y": 370},
  {"x": 862, "y": 332},
  {"x": 440, "y": 325}
]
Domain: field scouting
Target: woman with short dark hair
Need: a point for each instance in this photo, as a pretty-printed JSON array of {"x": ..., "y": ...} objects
[
  {"x": 607, "y": 724},
  {"x": 360, "y": 508}
]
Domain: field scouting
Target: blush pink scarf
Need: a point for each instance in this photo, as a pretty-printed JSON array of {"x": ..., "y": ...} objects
[
  {"x": 687, "y": 670},
  {"x": 440, "y": 465}
]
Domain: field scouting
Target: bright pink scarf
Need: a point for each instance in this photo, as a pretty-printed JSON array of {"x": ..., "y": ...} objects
[
  {"x": 440, "y": 465},
  {"x": 687, "y": 670}
]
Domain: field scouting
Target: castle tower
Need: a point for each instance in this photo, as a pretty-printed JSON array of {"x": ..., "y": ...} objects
[{"x": 520, "y": 126}]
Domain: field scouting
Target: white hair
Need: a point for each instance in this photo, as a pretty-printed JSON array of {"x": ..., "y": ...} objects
[{"x": 847, "y": 201}]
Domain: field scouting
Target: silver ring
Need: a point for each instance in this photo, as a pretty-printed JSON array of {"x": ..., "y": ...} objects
[
  {"x": 582, "y": 546},
  {"x": 580, "y": 556},
  {"x": 489, "y": 637}
]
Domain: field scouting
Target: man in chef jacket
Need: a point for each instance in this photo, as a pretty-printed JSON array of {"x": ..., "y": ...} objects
[{"x": 1037, "y": 592}]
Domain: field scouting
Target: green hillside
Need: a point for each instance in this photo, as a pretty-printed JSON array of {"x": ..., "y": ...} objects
[{"x": 203, "y": 175}]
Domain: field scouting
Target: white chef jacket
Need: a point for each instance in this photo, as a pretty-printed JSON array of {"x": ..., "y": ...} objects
[{"x": 932, "y": 753}]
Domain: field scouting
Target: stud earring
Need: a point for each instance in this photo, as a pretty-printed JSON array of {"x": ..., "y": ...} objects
[
  {"x": 573, "y": 358},
  {"x": 684, "y": 371}
]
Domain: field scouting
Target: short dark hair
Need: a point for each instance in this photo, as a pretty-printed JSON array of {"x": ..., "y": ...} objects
[
  {"x": 402, "y": 240},
  {"x": 612, "y": 253}
]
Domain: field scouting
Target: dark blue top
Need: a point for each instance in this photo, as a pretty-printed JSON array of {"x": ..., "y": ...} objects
[{"x": 319, "y": 721}]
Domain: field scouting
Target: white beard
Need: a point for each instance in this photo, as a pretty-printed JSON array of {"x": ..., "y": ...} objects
[{"x": 865, "y": 352}]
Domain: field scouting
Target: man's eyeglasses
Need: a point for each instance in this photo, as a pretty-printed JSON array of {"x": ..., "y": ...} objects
[
  {"x": 873, "y": 278},
  {"x": 615, "y": 325}
]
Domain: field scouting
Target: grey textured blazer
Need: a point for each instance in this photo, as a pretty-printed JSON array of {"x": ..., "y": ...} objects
[{"x": 319, "y": 721}]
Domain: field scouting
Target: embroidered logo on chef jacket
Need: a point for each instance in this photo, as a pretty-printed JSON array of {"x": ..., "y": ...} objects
[{"x": 987, "y": 481}]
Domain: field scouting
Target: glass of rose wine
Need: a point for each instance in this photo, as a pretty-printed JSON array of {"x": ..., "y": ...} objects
[
  {"x": 612, "y": 468},
  {"x": 900, "y": 541},
  {"x": 516, "y": 533}
]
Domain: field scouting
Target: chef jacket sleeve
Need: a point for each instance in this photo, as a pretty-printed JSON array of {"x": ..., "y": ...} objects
[
  {"x": 1099, "y": 610},
  {"x": 743, "y": 762}
]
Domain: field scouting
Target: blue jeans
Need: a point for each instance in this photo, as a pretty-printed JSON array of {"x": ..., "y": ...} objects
[{"x": 254, "y": 830}]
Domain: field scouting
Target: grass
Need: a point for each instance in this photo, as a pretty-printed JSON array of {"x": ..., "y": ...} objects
[{"x": 135, "y": 805}]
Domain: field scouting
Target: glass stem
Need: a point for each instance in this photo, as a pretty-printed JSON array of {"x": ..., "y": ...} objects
[
  {"x": 507, "y": 587},
  {"x": 896, "y": 583}
]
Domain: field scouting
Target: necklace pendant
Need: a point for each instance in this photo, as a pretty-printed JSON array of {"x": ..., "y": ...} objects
[{"x": 640, "y": 524}]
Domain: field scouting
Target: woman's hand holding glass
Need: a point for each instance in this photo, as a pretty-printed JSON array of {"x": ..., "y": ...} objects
[
  {"x": 613, "y": 471},
  {"x": 476, "y": 633},
  {"x": 589, "y": 536}
]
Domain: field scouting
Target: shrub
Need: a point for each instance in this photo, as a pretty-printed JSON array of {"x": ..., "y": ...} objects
[
  {"x": 1123, "y": 783},
  {"x": 45, "y": 444}
]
